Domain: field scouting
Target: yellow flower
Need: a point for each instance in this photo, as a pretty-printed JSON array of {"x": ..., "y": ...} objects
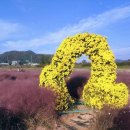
[{"x": 101, "y": 88}]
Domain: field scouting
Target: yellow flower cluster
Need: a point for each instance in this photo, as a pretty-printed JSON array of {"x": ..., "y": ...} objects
[{"x": 101, "y": 88}]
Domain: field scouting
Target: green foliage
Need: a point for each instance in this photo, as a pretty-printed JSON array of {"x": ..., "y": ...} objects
[
  {"x": 124, "y": 63},
  {"x": 45, "y": 59}
]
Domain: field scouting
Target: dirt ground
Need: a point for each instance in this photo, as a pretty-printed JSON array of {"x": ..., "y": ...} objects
[{"x": 79, "y": 118}]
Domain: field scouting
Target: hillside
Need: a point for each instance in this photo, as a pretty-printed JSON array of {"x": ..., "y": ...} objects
[{"x": 25, "y": 56}]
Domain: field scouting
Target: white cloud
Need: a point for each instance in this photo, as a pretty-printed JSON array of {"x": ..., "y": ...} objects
[
  {"x": 9, "y": 29},
  {"x": 90, "y": 24}
]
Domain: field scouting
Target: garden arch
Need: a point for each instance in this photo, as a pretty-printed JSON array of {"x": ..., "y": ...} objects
[{"x": 101, "y": 88}]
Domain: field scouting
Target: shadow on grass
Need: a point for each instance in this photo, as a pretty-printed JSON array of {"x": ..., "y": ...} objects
[
  {"x": 11, "y": 121},
  {"x": 7, "y": 77}
]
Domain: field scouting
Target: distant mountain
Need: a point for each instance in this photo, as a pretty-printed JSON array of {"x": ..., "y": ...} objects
[
  {"x": 25, "y": 56},
  {"x": 30, "y": 56},
  {"x": 119, "y": 61}
]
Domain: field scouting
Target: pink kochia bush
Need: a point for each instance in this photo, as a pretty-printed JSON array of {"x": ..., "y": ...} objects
[
  {"x": 12, "y": 75},
  {"x": 20, "y": 93},
  {"x": 124, "y": 76}
]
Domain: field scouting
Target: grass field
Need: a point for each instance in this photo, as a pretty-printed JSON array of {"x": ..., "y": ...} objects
[{"x": 24, "y": 105}]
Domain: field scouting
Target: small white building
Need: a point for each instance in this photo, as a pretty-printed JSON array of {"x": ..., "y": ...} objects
[
  {"x": 35, "y": 64},
  {"x": 14, "y": 63}
]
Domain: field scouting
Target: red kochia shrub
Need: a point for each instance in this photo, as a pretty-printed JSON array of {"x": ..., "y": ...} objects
[
  {"x": 124, "y": 76},
  {"x": 24, "y": 96},
  {"x": 6, "y": 75},
  {"x": 22, "y": 99},
  {"x": 76, "y": 82}
]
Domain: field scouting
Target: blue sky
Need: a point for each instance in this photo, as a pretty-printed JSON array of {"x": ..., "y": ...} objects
[{"x": 41, "y": 25}]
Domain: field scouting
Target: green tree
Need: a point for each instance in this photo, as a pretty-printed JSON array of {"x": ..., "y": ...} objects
[{"x": 45, "y": 59}]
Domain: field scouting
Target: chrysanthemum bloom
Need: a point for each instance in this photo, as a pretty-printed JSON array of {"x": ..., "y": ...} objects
[{"x": 101, "y": 88}]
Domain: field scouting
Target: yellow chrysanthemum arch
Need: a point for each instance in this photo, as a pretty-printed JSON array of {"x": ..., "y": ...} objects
[{"x": 101, "y": 88}]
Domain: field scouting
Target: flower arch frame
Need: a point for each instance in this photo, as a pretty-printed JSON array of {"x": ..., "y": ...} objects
[{"x": 101, "y": 88}]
